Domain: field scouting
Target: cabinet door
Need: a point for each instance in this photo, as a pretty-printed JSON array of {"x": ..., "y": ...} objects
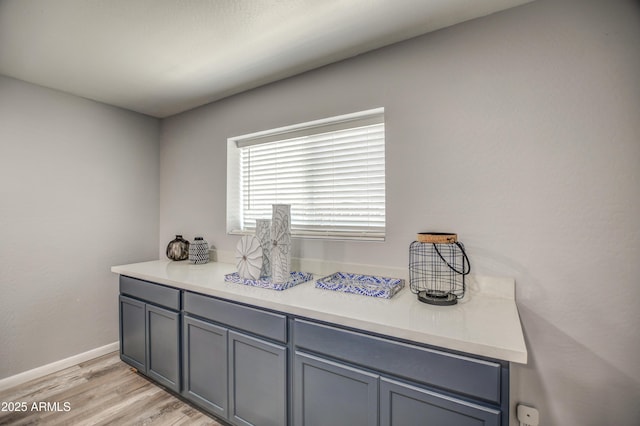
[
  {"x": 132, "y": 333},
  {"x": 330, "y": 393},
  {"x": 257, "y": 381},
  {"x": 163, "y": 346},
  {"x": 205, "y": 365},
  {"x": 405, "y": 405}
]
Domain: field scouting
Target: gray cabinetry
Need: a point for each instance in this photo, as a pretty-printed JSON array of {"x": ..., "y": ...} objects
[
  {"x": 234, "y": 365},
  {"x": 251, "y": 366},
  {"x": 257, "y": 381},
  {"x": 330, "y": 393},
  {"x": 150, "y": 334},
  {"x": 347, "y": 377},
  {"x": 456, "y": 373},
  {"x": 402, "y": 404},
  {"x": 255, "y": 321},
  {"x": 205, "y": 365},
  {"x": 133, "y": 340},
  {"x": 163, "y": 346}
]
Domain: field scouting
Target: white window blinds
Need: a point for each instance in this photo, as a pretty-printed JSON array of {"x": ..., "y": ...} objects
[{"x": 332, "y": 172}]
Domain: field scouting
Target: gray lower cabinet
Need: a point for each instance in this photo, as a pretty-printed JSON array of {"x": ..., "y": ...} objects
[
  {"x": 150, "y": 330},
  {"x": 149, "y": 340},
  {"x": 257, "y": 381},
  {"x": 237, "y": 377},
  {"x": 163, "y": 346},
  {"x": 250, "y": 366},
  {"x": 205, "y": 364},
  {"x": 234, "y": 376},
  {"x": 235, "y": 361},
  {"x": 345, "y": 377},
  {"x": 330, "y": 393},
  {"x": 133, "y": 333},
  {"x": 402, "y": 404},
  {"x": 327, "y": 393}
]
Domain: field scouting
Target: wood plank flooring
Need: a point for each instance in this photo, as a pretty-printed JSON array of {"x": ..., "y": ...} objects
[{"x": 102, "y": 391}]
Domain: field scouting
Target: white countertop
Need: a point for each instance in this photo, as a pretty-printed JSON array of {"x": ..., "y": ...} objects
[{"x": 485, "y": 322}]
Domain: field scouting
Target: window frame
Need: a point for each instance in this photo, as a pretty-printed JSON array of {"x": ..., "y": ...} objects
[{"x": 234, "y": 220}]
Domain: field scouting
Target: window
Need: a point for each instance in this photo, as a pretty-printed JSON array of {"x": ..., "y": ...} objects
[{"x": 331, "y": 171}]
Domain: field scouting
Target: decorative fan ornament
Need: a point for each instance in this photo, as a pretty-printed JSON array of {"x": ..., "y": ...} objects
[
  {"x": 249, "y": 257},
  {"x": 281, "y": 243}
]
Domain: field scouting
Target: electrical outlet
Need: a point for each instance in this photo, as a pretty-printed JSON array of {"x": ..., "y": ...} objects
[{"x": 528, "y": 416}]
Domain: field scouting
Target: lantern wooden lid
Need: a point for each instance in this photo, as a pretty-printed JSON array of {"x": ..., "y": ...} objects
[{"x": 437, "y": 237}]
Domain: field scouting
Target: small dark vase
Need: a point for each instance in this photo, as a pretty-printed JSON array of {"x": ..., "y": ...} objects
[{"x": 178, "y": 249}]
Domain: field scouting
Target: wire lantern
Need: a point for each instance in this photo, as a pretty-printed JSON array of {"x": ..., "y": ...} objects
[{"x": 438, "y": 265}]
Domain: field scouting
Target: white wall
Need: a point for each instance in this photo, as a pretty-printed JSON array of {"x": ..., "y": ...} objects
[
  {"x": 520, "y": 132},
  {"x": 78, "y": 194}
]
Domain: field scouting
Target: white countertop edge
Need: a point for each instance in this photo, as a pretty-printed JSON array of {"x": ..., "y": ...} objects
[{"x": 516, "y": 352}]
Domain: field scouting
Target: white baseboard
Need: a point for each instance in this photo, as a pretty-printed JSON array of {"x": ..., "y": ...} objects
[{"x": 42, "y": 371}]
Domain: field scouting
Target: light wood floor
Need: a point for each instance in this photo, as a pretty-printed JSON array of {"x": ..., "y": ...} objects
[{"x": 103, "y": 391}]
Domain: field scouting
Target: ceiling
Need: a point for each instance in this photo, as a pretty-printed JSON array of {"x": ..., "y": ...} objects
[{"x": 162, "y": 57}]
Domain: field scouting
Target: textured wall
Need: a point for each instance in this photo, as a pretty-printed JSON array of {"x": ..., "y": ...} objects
[
  {"x": 78, "y": 194},
  {"x": 518, "y": 131}
]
